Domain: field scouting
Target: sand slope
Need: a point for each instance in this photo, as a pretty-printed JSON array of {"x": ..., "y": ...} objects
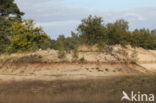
[{"x": 46, "y": 65}]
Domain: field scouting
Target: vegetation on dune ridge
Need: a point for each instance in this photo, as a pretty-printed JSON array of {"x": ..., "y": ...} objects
[{"x": 17, "y": 35}]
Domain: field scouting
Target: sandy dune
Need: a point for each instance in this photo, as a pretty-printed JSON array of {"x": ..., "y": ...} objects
[{"x": 45, "y": 65}]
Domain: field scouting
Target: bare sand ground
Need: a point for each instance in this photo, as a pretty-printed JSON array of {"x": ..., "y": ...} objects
[
  {"x": 68, "y": 71},
  {"x": 48, "y": 72},
  {"x": 45, "y": 64},
  {"x": 149, "y": 66}
]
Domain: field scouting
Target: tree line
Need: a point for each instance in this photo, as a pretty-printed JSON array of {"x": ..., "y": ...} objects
[
  {"x": 17, "y": 35},
  {"x": 93, "y": 31}
]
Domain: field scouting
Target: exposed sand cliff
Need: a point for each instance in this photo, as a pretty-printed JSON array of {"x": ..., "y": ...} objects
[{"x": 46, "y": 65}]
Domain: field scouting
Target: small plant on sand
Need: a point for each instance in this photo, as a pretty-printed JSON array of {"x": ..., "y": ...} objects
[
  {"x": 125, "y": 60},
  {"x": 101, "y": 46},
  {"x": 61, "y": 53},
  {"x": 107, "y": 70},
  {"x": 98, "y": 68},
  {"x": 87, "y": 68},
  {"x": 134, "y": 56},
  {"x": 82, "y": 59},
  {"x": 75, "y": 54}
]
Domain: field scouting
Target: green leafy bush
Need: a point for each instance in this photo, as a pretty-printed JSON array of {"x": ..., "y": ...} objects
[{"x": 26, "y": 37}]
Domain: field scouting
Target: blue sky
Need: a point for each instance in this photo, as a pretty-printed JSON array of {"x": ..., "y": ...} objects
[{"x": 63, "y": 16}]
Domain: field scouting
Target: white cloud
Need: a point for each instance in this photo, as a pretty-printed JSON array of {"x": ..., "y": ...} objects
[{"x": 58, "y": 19}]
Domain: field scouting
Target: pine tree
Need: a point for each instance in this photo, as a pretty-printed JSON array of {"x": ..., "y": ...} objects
[
  {"x": 9, "y": 9},
  {"x": 9, "y": 12}
]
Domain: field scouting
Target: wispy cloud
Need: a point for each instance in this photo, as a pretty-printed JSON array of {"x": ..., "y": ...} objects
[{"x": 57, "y": 18}]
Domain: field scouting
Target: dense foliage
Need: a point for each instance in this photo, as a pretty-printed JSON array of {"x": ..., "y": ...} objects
[
  {"x": 92, "y": 30},
  {"x": 26, "y": 37},
  {"x": 9, "y": 13},
  {"x": 17, "y": 35},
  {"x": 66, "y": 43}
]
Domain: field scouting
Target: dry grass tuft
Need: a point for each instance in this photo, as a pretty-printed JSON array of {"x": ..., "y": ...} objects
[{"x": 80, "y": 91}]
